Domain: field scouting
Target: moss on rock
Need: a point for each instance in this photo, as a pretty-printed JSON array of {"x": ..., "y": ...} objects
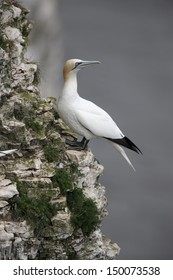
[
  {"x": 63, "y": 179},
  {"x": 34, "y": 125},
  {"x": 51, "y": 153},
  {"x": 38, "y": 212},
  {"x": 85, "y": 214}
]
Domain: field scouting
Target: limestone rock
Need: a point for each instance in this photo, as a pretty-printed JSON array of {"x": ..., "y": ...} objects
[
  {"x": 61, "y": 224},
  {"x": 51, "y": 201},
  {"x": 7, "y": 189},
  {"x": 13, "y": 34}
]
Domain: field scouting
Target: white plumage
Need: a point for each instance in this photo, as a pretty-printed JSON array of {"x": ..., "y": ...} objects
[{"x": 84, "y": 117}]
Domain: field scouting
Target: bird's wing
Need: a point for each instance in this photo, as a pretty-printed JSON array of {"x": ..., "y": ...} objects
[{"x": 97, "y": 121}]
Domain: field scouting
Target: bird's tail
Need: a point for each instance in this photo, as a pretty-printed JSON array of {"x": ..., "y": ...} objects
[
  {"x": 122, "y": 152},
  {"x": 3, "y": 153}
]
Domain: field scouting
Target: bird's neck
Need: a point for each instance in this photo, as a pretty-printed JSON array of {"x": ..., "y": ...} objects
[{"x": 70, "y": 86}]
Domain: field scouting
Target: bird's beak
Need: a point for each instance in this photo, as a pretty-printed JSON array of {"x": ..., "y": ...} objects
[{"x": 85, "y": 63}]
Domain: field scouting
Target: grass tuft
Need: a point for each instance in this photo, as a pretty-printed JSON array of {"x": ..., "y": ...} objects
[
  {"x": 36, "y": 211},
  {"x": 85, "y": 214},
  {"x": 51, "y": 153},
  {"x": 64, "y": 180}
]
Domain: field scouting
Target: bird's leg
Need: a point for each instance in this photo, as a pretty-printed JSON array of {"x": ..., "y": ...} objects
[
  {"x": 78, "y": 145},
  {"x": 83, "y": 143}
]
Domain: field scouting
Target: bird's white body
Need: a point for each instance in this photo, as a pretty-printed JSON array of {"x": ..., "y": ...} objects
[{"x": 84, "y": 117}]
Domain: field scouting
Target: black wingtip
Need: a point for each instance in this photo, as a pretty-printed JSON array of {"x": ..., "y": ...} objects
[
  {"x": 132, "y": 146},
  {"x": 126, "y": 142}
]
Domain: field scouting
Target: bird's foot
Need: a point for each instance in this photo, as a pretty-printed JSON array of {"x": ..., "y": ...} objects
[
  {"x": 76, "y": 148},
  {"x": 77, "y": 145},
  {"x": 71, "y": 143}
]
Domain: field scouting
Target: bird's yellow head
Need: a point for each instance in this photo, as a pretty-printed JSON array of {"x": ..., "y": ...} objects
[{"x": 74, "y": 65}]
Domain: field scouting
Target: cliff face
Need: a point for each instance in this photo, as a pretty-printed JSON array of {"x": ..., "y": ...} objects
[{"x": 51, "y": 203}]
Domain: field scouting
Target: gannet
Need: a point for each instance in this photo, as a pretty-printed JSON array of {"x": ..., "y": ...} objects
[
  {"x": 84, "y": 117},
  {"x": 4, "y": 153}
]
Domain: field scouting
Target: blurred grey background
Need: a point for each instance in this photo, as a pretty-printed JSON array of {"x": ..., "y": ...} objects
[{"x": 134, "y": 41}]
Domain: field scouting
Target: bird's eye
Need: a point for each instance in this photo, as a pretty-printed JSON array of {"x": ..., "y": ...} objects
[{"x": 77, "y": 64}]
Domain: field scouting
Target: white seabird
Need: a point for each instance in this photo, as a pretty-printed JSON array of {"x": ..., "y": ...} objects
[
  {"x": 84, "y": 117},
  {"x": 4, "y": 153}
]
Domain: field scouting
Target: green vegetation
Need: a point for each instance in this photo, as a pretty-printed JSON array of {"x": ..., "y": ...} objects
[
  {"x": 26, "y": 112},
  {"x": 25, "y": 30},
  {"x": 74, "y": 170},
  {"x": 36, "y": 211},
  {"x": 51, "y": 153},
  {"x": 64, "y": 180},
  {"x": 71, "y": 254},
  {"x": 19, "y": 112},
  {"x": 85, "y": 214},
  {"x": 37, "y": 75},
  {"x": 56, "y": 115},
  {"x": 26, "y": 95},
  {"x": 34, "y": 125}
]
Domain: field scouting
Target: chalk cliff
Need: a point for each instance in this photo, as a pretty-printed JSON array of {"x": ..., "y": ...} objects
[{"x": 51, "y": 202}]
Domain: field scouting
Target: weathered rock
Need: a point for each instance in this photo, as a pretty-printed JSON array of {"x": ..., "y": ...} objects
[
  {"x": 41, "y": 180},
  {"x": 99, "y": 248},
  {"x": 7, "y": 189},
  {"x": 3, "y": 204},
  {"x": 4, "y": 235},
  {"x": 61, "y": 225}
]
